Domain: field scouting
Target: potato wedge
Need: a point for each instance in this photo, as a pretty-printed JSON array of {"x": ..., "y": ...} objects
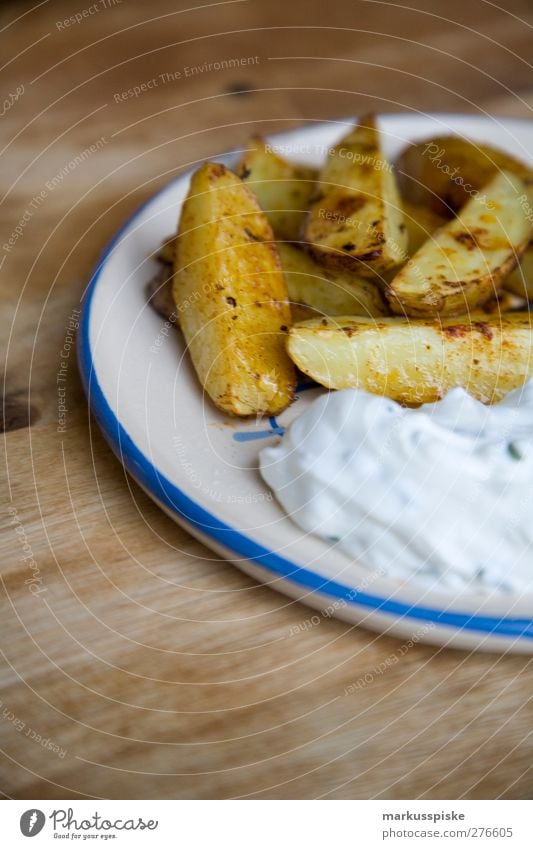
[
  {"x": 421, "y": 222},
  {"x": 309, "y": 294},
  {"x": 520, "y": 280},
  {"x": 326, "y": 291},
  {"x": 356, "y": 220},
  {"x": 282, "y": 188},
  {"x": 231, "y": 296},
  {"x": 467, "y": 260},
  {"x": 312, "y": 289},
  {"x": 415, "y": 362},
  {"x": 444, "y": 172}
]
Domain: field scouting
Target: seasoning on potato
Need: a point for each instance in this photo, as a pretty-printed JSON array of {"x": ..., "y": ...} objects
[
  {"x": 356, "y": 220},
  {"x": 466, "y": 261},
  {"x": 366, "y": 252},
  {"x": 231, "y": 296},
  {"x": 416, "y": 362}
]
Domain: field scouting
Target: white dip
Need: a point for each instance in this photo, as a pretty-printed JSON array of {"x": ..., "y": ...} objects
[{"x": 443, "y": 492}]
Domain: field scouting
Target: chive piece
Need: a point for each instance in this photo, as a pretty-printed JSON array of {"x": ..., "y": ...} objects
[{"x": 514, "y": 452}]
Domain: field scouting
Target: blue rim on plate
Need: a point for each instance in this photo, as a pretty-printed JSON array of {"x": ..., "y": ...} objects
[{"x": 187, "y": 510}]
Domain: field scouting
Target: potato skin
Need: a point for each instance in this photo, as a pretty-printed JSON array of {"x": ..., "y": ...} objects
[
  {"x": 231, "y": 296},
  {"x": 444, "y": 172},
  {"x": 283, "y": 188},
  {"x": 327, "y": 291},
  {"x": 415, "y": 362},
  {"x": 466, "y": 261},
  {"x": 356, "y": 220}
]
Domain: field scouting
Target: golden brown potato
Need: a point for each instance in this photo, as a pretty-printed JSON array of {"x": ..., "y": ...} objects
[
  {"x": 467, "y": 260},
  {"x": 312, "y": 289},
  {"x": 282, "y": 188},
  {"x": 231, "y": 296},
  {"x": 356, "y": 220},
  {"x": 444, "y": 172},
  {"x": 326, "y": 291},
  {"x": 415, "y": 362}
]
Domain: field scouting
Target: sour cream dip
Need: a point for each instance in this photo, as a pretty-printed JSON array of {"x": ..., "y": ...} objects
[{"x": 442, "y": 493}]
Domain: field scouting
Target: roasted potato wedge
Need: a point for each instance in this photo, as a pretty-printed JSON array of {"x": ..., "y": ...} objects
[
  {"x": 326, "y": 291},
  {"x": 356, "y": 220},
  {"x": 467, "y": 260},
  {"x": 415, "y": 362},
  {"x": 421, "y": 223},
  {"x": 282, "y": 188},
  {"x": 312, "y": 289},
  {"x": 520, "y": 280},
  {"x": 444, "y": 172},
  {"x": 231, "y": 296}
]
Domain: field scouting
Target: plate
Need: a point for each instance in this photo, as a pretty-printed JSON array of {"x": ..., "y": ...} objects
[{"x": 200, "y": 466}]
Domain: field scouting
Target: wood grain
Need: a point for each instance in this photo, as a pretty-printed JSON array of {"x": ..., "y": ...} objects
[{"x": 148, "y": 667}]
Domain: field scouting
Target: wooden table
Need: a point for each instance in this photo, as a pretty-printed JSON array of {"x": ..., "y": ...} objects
[{"x": 135, "y": 664}]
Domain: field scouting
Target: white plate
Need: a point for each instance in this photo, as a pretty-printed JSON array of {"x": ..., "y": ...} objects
[{"x": 201, "y": 467}]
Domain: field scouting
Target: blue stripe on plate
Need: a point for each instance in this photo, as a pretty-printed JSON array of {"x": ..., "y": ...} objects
[{"x": 184, "y": 507}]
